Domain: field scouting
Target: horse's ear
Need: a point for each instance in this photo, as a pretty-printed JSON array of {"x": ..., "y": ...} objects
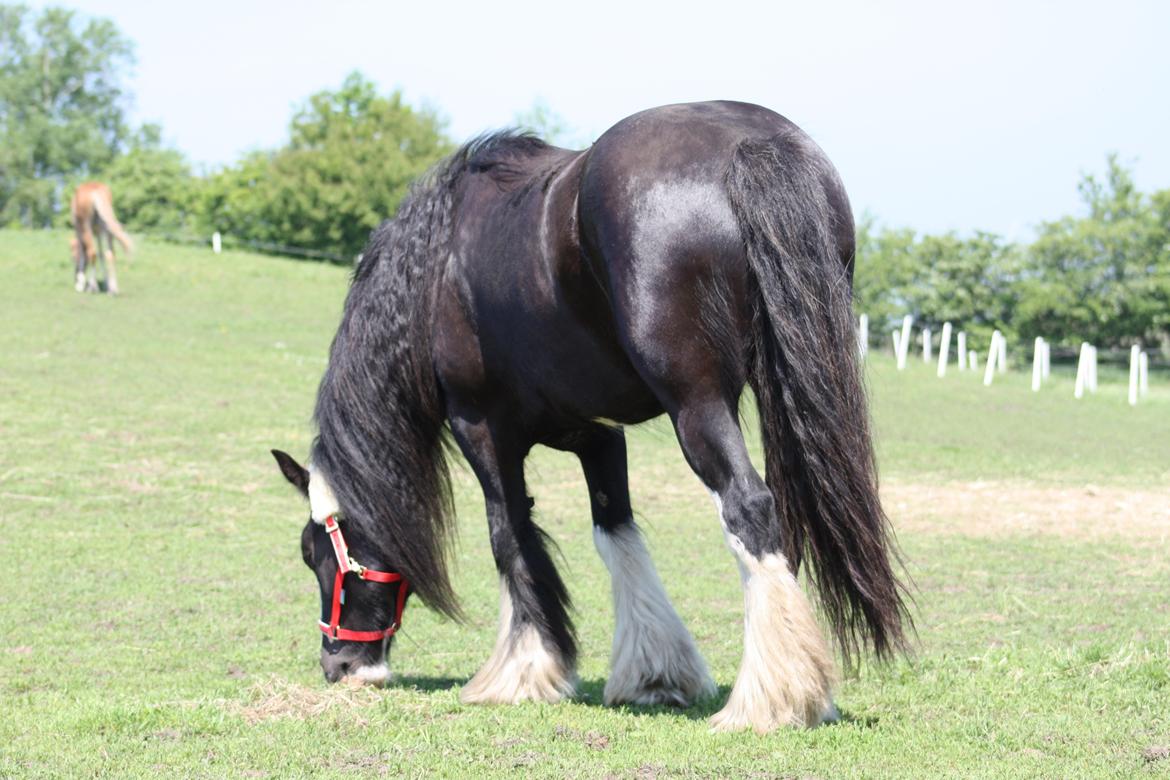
[{"x": 294, "y": 472}]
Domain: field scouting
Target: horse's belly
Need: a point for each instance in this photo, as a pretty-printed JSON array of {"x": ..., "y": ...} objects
[{"x": 572, "y": 375}]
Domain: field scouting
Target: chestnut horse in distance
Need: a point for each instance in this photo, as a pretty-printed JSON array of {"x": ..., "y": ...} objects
[{"x": 93, "y": 219}]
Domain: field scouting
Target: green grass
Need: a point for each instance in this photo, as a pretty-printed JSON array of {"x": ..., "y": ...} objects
[
  {"x": 955, "y": 428},
  {"x": 157, "y": 620}
]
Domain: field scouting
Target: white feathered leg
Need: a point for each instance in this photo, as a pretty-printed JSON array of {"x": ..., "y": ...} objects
[
  {"x": 520, "y": 668},
  {"x": 787, "y": 673},
  {"x": 655, "y": 660}
]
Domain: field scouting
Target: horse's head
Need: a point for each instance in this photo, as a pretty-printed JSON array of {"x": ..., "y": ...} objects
[{"x": 362, "y": 598}]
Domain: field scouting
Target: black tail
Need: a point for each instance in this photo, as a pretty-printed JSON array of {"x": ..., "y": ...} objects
[{"x": 794, "y": 217}]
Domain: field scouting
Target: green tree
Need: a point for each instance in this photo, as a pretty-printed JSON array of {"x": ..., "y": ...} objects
[
  {"x": 883, "y": 275},
  {"x": 351, "y": 157},
  {"x": 969, "y": 282},
  {"x": 1101, "y": 277},
  {"x": 1157, "y": 303},
  {"x": 231, "y": 200},
  {"x": 62, "y": 112},
  {"x": 153, "y": 186}
]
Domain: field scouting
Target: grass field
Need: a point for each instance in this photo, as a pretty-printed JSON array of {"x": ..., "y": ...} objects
[{"x": 156, "y": 619}]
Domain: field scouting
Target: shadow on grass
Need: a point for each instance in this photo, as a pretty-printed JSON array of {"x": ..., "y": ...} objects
[
  {"x": 591, "y": 693},
  {"x": 427, "y": 684}
]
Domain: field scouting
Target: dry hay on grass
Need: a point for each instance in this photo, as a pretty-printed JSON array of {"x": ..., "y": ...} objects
[
  {"x": 992, "y": 509},
  {"x": 278, "y": 698}
]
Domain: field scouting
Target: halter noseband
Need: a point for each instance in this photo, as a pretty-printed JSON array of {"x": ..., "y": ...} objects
[{"x": 346, "y": 564}]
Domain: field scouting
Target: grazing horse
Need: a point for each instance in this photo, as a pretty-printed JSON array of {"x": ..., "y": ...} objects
[
  {"x": 525, "y": 294},
  {"x": 93, "y": 219}
]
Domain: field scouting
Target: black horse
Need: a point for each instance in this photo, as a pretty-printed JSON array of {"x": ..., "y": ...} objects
[{"x": 526, "y": 294}]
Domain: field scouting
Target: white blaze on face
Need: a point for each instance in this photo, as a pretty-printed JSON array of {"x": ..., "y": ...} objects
[{"x": 322, "y": 502}]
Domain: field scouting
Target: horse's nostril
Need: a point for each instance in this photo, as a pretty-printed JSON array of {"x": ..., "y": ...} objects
[{"x": 335, "y": 668}]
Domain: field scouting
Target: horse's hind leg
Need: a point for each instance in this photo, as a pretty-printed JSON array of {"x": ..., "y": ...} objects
[
  {"x": 78, "y": 253},
  {"x": 111, "y": 268},
  {"x": 654, "y": 658},
  {"x": 787, "y": 671},
  {"x": 535, "y": 650}
]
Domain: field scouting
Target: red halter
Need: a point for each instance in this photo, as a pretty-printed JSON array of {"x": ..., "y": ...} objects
[{"x": 347, "y": 564}]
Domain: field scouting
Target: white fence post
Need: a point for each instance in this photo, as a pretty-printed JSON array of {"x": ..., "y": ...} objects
[
  {"x": 973, "y": 360},
  {"x": 944, "y": 349},
  {"x": 1082, "y": 371},
  {"x": 1143, "y": 374},
  {"x": 994, "y": 354},
  {"x": 1037, "y": 364},
  {"x": 216, "y": 242},
  {"x": 926, "y": 345},
  {"x": 1134, "y": 352},
  {"x": 863, "y": 334},
  {"x": 961, "y": 349},
  {"x": 903, "y": 344}
]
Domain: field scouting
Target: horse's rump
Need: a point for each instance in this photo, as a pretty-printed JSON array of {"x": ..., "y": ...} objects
[{"x": 92, "y": 212}]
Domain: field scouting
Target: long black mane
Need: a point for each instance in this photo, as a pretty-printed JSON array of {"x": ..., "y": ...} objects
[{"x": 379, "y": 412}]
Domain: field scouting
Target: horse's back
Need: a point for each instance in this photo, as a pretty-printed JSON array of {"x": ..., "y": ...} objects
[
  {"x": 587, "y": 280},
  {"x": 656, "y": 181}
]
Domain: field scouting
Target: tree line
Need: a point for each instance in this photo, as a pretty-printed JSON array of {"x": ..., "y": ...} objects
[
  {"x": 350, "y": 157},
  {"x": 1102, "y": 276},
  {"x": 352, "y": 152}
]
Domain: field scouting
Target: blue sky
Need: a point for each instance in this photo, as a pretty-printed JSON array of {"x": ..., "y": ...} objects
[{"x": 940, "y": 116}]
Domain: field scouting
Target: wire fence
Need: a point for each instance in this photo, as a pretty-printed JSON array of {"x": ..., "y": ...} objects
[{"x": 227, "y": 241}]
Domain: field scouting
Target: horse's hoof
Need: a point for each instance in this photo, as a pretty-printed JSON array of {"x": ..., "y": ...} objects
[{"x": 762, "y": 719}]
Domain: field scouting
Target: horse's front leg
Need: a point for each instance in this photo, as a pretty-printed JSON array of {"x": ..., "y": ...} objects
[
  {"x": 654, "y": 659},
  {"x": 535, "y": 653}
]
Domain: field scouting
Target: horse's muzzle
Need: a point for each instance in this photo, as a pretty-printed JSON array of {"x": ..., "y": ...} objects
[{"x": 350, "y": 664}]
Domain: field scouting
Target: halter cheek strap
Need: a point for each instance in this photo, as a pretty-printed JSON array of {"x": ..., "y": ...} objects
[{"x": 346, "y": 565}]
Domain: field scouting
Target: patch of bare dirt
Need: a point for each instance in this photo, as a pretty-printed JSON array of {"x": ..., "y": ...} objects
[
  {"x": 364, "y": 764},
  {"x": 1156, "y": 753},
  {"x": 999, "y": 508},
  {"x": 594, "y": 740}
]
